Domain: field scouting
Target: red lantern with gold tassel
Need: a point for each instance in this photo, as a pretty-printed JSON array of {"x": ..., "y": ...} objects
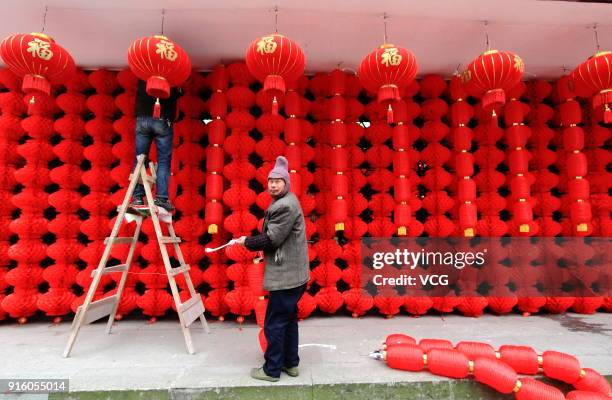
[
  {"x": 161, "y": 63},
  {"x": 491, "y": 74},
  {"x": 387, "y": 71},
  {"x": 593, "y": 78},
  {"x": 402, "y": 172},
  {"x": 39, "y": 60},
  {"x": 275, "y": 60},
  {"x": 338, "y": 138}
]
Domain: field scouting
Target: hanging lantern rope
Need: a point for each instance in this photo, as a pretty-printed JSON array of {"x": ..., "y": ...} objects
[
  {"x": 387, "y": 71},
  {"x": 275, "y": 60},
  {"x": 496, "y": 369}
]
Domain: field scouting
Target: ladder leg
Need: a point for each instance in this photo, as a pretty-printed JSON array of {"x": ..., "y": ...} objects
[
  {"x": 188, "y": 339},
  {"x": 81, "y": 311},
  {"x": 204, "y": 323},
  {"x": 168, "y": 266},
  {"x": 74, "y": 330},
  {"x": 128, "y": 264},
  {"x": 192, "y": 291},
  {"x": 80, "y": 315}
]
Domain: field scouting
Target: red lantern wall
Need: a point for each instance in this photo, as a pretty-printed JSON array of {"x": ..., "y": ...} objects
[
  {"x": 401, "y": 178},
  {"x": 12, "y": 108}
]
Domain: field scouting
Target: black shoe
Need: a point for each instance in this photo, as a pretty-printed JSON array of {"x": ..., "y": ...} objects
[
  {"x": 164, "y": 203},
  {"x": 137, "y": 202},
  {"x": 259, "y": 373}
]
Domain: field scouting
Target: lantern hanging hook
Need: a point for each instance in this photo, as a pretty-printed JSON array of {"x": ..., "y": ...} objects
[
  {"x": 385, "y": 18},
  {"x": 276, "y": 19},
  {"x": 596, "y": 37},
  {"x": 456, "y": 73},
  {"x": 485, "y": 23},
  {"x": 163, "y": 20},
  {"x": 44, "y": 20}
]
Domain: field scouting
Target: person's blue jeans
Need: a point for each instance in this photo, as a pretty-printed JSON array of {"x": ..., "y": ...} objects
[
  {"x": 147, "y": 130},
  {"x": 281, "y": 330}
]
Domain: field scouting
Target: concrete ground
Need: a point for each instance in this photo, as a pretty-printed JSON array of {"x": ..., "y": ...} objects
[{"x": 145, "y": 361}]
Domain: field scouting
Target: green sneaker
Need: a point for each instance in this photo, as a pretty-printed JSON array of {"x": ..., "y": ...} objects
[
  {"x": 291, "y": 371},
  {"x": 259, "y": 373}
]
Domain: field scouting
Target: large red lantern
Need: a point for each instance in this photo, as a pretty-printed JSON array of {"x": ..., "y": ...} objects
[
  {"x": 491, "y": 74},
  {"x": 593, "y": 78},
  {"x": 387, "y": 71},
  {"x": 275, "y": 60},
  {"x": 38, "y": 59},
  {"x": 161, "y": 63}
]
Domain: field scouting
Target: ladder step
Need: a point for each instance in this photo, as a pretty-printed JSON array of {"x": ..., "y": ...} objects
[
  {"x": 99, "y": 309},
  {"x": 119, "y": 240},
  {"x": 189, "y": 303},
  {"x": 169, "y": 240},
  {"x": 191, "y": 310},
  {"x": 132, "y": 211},
  {"x": 108, "y": 270},
  {"x": 179, "y": 270}
]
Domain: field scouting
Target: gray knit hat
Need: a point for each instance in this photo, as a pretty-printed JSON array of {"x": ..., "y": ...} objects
[{"x": 281, "y": 171}]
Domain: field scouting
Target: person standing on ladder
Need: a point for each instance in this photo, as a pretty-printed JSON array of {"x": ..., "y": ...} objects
[
  {"x": 283, "y": 242},
  {"x": 149, "y": 128}
]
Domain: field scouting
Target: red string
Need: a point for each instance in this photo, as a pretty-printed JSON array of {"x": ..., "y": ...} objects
[
  {"x": 407, "y": 357},
  {"x": 476, "y": 349},
  {"x": 498, "y": 370},
  {"x": 448, "y": 362},
  {"x": 428, "y": 344},
  {"x": 593, "y": 381},
  {"x": 522, "y": 359},
  {"x": 495, "y": 373},
  {"x": 397, "y": 338},
  {"x": 532, "y": 390},
  {"x": 561, "y": 366},
  {"x": 579, "y": 395}
]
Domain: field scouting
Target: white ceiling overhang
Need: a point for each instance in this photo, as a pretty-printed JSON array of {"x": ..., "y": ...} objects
[{"x": 548, "y": 35}]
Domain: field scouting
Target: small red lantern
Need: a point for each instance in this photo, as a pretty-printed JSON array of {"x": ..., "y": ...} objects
[
  {"x": 387, "y": 71},
  {"x": 161, "y": 63},
  {"x": 491, "y": 74},
  {"x": 593, "y": 78},
  {"x": 275, "y": 60},
  {"x": 38, "y": 59}
]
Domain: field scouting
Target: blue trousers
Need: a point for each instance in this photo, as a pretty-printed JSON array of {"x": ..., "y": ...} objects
[
  {"x": 147, "y": 130},
  {"x": 281, "y": 330}
]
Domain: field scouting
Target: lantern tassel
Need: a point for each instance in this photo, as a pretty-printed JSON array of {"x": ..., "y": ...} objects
[
  {"x": 31, "y": 104},
  {"x": 157, "y": 109},
  {"x": 390, "y": 114},
  {"x": 494, "y": 123},
  {"x": 274, "y": 106},
  {"x": 607, "y": 114}
]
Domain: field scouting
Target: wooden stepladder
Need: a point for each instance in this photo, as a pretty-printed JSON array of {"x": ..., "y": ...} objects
[{"x": 188, "y": 311}]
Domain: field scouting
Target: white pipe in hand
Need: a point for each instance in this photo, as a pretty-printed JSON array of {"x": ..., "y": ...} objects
[{"x": 231, "y": 242}]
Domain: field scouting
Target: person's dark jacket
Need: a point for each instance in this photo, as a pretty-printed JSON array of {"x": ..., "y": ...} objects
[
  {"x": 145, "y": 103},
  {"x": 283, "y": 242}
]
